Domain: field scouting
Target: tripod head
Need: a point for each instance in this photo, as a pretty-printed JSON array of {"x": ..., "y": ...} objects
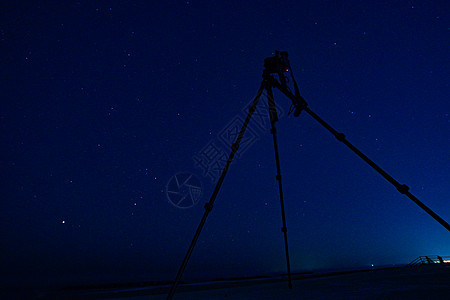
[{"x": 279, "y": 64}]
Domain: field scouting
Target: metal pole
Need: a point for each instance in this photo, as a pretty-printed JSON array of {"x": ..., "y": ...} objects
[
  {"x": 402, "y": 188},
  {"x": 209, "y": 205},
  {"x": 273, "y": 130}
]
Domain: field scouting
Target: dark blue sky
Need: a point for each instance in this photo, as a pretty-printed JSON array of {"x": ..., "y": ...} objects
[{"x": 103, "y": 103}]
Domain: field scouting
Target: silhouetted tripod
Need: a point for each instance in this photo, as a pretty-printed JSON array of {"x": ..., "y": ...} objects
[{"x": 279, "y": 64}]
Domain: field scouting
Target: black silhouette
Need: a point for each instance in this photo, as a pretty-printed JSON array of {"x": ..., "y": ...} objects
[{"x": 279, "y": 64}]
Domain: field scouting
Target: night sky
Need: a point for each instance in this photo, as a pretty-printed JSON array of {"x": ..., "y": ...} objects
[{"x": 104, "y": 102}]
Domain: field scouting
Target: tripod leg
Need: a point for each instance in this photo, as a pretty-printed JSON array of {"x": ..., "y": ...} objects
[
  {"x": 209, "y": 205},
  {"x": 402, "y": 188},
  {"x": 273, "y": 130}
]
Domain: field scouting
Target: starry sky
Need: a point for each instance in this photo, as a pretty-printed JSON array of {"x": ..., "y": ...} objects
[{"x": 106, "y": 104}]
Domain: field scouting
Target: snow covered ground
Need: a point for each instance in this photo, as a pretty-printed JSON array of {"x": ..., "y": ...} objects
[{"x": 420, "y": 282}]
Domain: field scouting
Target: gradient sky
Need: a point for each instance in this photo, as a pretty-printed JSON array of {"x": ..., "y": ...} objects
[{"x": 104, "y": 102}]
